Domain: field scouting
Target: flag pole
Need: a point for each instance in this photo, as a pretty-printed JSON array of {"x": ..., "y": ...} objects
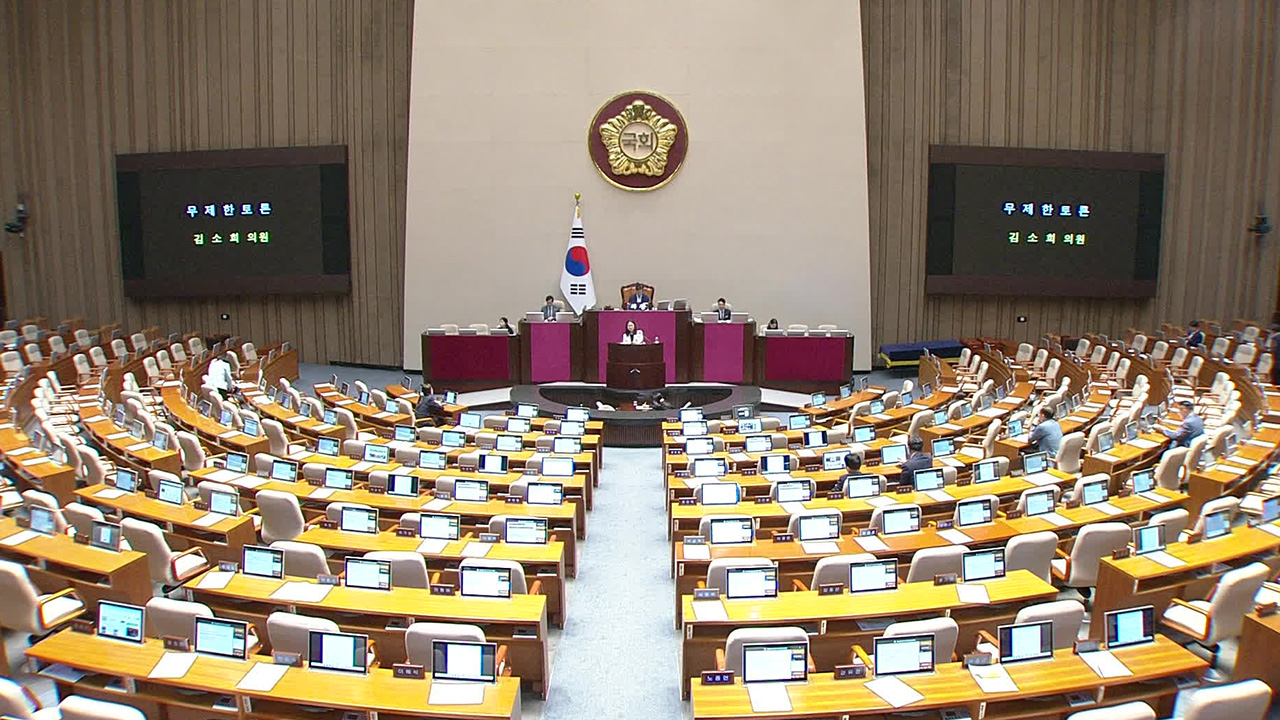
[{"x": 577, "y": 200}]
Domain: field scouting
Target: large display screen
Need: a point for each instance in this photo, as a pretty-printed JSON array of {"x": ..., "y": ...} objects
[
  {"x": 1019, "y": 221},
  {"x": 259, "y": 221}
]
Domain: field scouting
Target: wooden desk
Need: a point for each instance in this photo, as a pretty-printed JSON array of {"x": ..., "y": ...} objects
[
  {"x": 375, "y": 418},
  {"x": 1233, "y": 475},
  {"x": 224, "y": 540},
  {"x": 1120, "y": 461},
  {"x": 1041, "y": 689},
  {"x": 210, "y": 432},
  {"x": 57, "y": 562},
  {"x": 1078, "y": 421},
  {"x": 121, "y": 447},
  {"x": 519, "y": 622},
  {"x": 541, "y": 562},
  {"x": 833, "y": 620},
  {"x": 292, "y": 697},
  {"x": 839, "y": 407},
  {"x": 298, "y": 425},
  {"x": 32, "y": 468},
  {"x": 1137, "y": 581},
  {"x": 1258, "y": 655},
  {"x": 453, "y": 410},
  {"x": 635, "y": 367}
]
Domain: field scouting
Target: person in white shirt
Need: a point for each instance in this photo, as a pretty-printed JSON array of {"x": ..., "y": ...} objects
[
  {"x": 632, "y": 335},
  {"x": 219, "y": 376}
]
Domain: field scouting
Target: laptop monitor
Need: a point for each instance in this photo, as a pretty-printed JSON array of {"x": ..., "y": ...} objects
[
  {"x": 903, "y": 654},
  {"x": 338, "y": 479},
  {"x": 817, "y": 399},
  {"x": 901, "y": 520},
  {"x": 1040, "y": 502},
  {"x": 453, "y": 438},
  {"x": 519, "y": 425},
  {"x": 1025, "y": 641},
  {"x": 693, "y": 428},
  {"x": 1106, "y": 441},
  {"x": 731, "y": 531},
  {"x": 759, "y": 443},
  {"x": 942, "y": 447},
  {"x": 894, "y": 454},
  {"x": 237, "y": 462},
  {"x": 526, "y": 410},
  {"x": 982, "y": 565},
  {"x": 261, "y": 561},
  {"x": 252, "y": 428},
  {"x": 577, "y": 414},
  {"x": 507, "y": 442},
  {"x": 544, "y": 493},
  {"x": 930, "y": 479},
  {"x": 720, "y": 493},
  {"x": 461, "y": 661},
  {"x": 859, "y": 486},
  {"x": 864, "y": 433},
  {"x": 126, "y": 480},
  {"x": 450, "y": 397},
  {"x": 224, "y": 503},
  {"x": 940, "y": 417},
  {"x": 561, "y": 467},
  {"x": 160, "y": 441},
  {"x": 170, "y": 492},
  {"x": 338, "y": 651},
  {"x": 966, "y": 411},
  {"x": 330, "y": 417},
  {"x": 285, "y": 470},
  {"x": 834, "y": 459},
  {"x": 1130, "y": 431},
  {"x": 401, "y": 485},
  {"x": 873, "y": 576},
  {"x": 480, "y": 581},
  {"x": 226, "y": 418},
  {"x": 986, "y": 471},
  {"x": 1095, "y": 492},
  {"x": 215, "y": 636},
  {"x": 367, "y": 574},
  {"x": 846, "y": 391},
  {"x": 470, "y": 420},
  {"x": 494, "y": 464},
  {"x": 815, "y": 438},
  {"x": 42, "y": 520},
  {"x": 105, "y": 536},
  {"x": 432, "y": 460},
  {"x": 471, "y": 490},
  {"x": 690, "y": 415},
  {"x": 205, "y": 408},
  {"x": 814, "y": 528},
  {"x": 392, "y": 406},
  {"x": 774, "y": 464},
  {"x": 138, "y": 430},
  {"x": 437, "y": 526},
  {"x": 404, "y": 433},
  {"x": 376, "y": 453},
  {"x": 1148, "y": 539},
  {"x": 973, "y": 512},
  {"x": 699, "y": 446},
  {"x": 328, "y": 446},
  {"x": 525, "y": 530},
  {"x": 356, "y": 519},
  {"x": 1035, "y": 463},
  {"x": 1270, "y": 509},
  {"x": 710, "y": 467},
  {"x": 745, "y": 583},
  {"x": 877, "y": 407},
  {"x": 572, "y": 428},
  {"x": 1217, "y": 524},
  {"x": 1131, "y": 626},
  {"x": 121, "y": 621},
  {"x": 798, "y": 421},
  {"x": 793, "y": 491},
  {"x": 905, "y": 398},
  {"x": 775, "y": 662},
  {"x": 750, "y": 425},
  {"x": 1015, "y": 427}
]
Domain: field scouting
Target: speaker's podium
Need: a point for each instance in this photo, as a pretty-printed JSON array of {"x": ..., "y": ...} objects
[{"x": 635, "y": 367}]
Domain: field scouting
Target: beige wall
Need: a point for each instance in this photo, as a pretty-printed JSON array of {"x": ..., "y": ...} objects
[{"x": 769, "y": 210}]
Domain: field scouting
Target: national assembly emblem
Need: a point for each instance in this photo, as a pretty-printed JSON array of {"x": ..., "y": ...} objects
[{"x": 638, "y": 141}]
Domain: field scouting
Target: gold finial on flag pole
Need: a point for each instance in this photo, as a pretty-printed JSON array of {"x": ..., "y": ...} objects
[{"x": 577, "y": 200}]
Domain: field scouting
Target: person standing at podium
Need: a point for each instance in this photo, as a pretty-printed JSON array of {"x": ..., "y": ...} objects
[{"x": 632, "y": 335}]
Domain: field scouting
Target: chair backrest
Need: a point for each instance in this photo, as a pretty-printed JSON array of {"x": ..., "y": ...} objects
[
  {"x": 408, "y": 568},
  {"x": 302, "y": 559},
  {"x": 1025, "y": 351},
  {"x": 147, "y": 537},
  {"x": 19, "y": 599},
  {"x": 1094, "y": 542},
  {"x": 1169, "y": 470},
  {"x": 1069, "y": 452},
  {"x": 742, "y": 636},
  {"x": 82, "y": 517},
  {"x": 1227, "y": 502},
  {"x": 77, "y": 707},
  {"x": 835, "y": 569},
  {"x": 704, "y": 525},
  {"x": 174, "y": 618},
  {"x": 519, "y": 585},
  {"x": 333, "y": 511},
  {"x": 1232, "y": 598},
  {"x": 14, "y": 700},
  {"x": 877, "y": 515},
  {"x": 927, "y": 563},
  {"x": 1066, "y": 615},
  {"x": 1246, "y": 700},
  {"x": 277, "y": 441},
  {"x": 718, "y": 570},
  {"x": 289, "y": 632},
  {"x": 281, "y": 515},
  {"x": 1174, "y": 522},
  {"x": 1127, "y": 711},
  {"x": 419, "y": 638},
  {"x": 945, "y": 633},
  {"x": 793, "y": 523}
]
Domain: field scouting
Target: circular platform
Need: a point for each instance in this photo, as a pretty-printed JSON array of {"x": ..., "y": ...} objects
[{"x": 626, "y": 426}]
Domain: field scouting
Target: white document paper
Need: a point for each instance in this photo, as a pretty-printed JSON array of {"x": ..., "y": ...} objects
[
  {"x": 894, "y": 691},
  {"x": 260, "y": 400},
  {"x": 881, "y": 501},
  {"x": 1153, "y": 496},
  {"x": 362, "y": 466},
  {"x": 769, "y": 697},
  {"x": 296, "y": 419},
  {"x": 110, "y": 493},
  {"x": 991, "y": 412},
  {"x": 437, "y": 504},
  {"x": 344, "y": 402},
  {"x": 475, "y": 549},
  {"x": 172, "y": 665},
  {"x": 938, "y": 496},
  {"x": 223, "y": 475},
  {"x": 825, "y": 547},
  {"x": 382, "y": 414},
  {"x": 1054, "y": 519},
  {"x": 65, "y": 673},
  {"x": 249, "y": 481},
  {"x": 739, "y": 457},
  {"x": 225, "y": 435},
  {"x": 972, "y": 594},
  {"x": 1041, "y": 479},
  {"x": 1143, "y": 443},
  {"x": 117, "y": 435},
  {"x": 209, "y": 519},
  {"x": 882, "y": 416},
  {"x": 1106, "y": 456},
  {"x": 323, "y": 427},
  {"x": 993, "y": 678},
  {"x": 952, "y": 462},
  {"x": 215, "y": 580},
  {"x": 432, "y": 546},
  {"x": 19, "y": 537},
  {"x": 949, "y": 426},
  {"x": 138, "y": 446},
  {"x": 953, "y": 536},
  {"x": 1271, "y": 528},
  {"x": 320, "y": 493},
  {"x": 697, "y": 552},
  {"x": 262, "y": 677},
  {"x": 1105, "y": 664},
  {"x": 871, "y": 543},
  {"x": 1164, "y": 559},
  {"x": 791, "y": 508},
  {"x": 709, "y": 611},
  {"x": 301, "y": 592},
  {"x": 20, "y": 451},
  {"x": 1230, "y": 469},
  {"x": 1106, "y": 508},
  {"x": 455, "y": 693},
  {"x": 36, "y": 461}
]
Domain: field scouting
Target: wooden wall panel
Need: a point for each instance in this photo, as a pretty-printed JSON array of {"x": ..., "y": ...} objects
[
  {"x": 85, "y": 80},
  {"x": 1196, "y": 80}
]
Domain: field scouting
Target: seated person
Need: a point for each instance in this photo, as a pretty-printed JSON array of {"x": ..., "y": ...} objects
[
  {"x": 504, "y": 326},
  {"x": 1191, "y": 428},
  {"x": 549, "y": 309},
  {"x": 632, "y": 335},
  {"x": 773, "y": 324},
  {"x": 1195, "y": 337},
  {"x": 429, "y": 406},
  {"x": 723, "y": 313},
  {"x": 917, "y": 460},
  {"x": 639, "y": 300},
  {"x": 1047, "y": 433}
]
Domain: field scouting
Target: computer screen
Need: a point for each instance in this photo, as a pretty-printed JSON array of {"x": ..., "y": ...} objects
[
  {"x": 983, "y": 564},
  {"x": 1015, "y": 427},
  {"x": 986, "y": 471},
  {"x": 577, "y": 414},
  {"x": 494, "y": 464},
  {"x": 526, "y": 410},
  {"x": 926, "y": 390},
  {"x": 525, "y": 530},
  {"x": 450, "y": 397},
  {"x": 940, "y": 417},
  {"x": 1270, "y": 509},
  {"x": 877, "y": 406},
  {"x": 251, "y": 427},
  {"x": 361, "y": 520},
  {"x": 262, "y": 561},
  {"x": 224, "y": 503},
  {"x": 834, "y": 459},
  {"x": 966, "y": 410},
  {"x": 215, "y": 636},
  {"x": 1217, "y": 523},
  {"x": 367, "y": 574},
  {"x": 544, "y": 493},
  {"x": 872, "y": 576},
  {"x": 561, "y": 445},
  {"x": 471, "y": 490},
  {"x": 1131, "y": 626},
  {"x": 557, "y": 467},
  {"x": 237, "y": 462},
  {"x": 1095, "y": 492},
  {"x": 774, "y": 464},
  {"x": 1106, "y": 441},
  {"x": 105, "y": 536},
  {"x": 731, "y": 531},
  {"x": 798, "y": 421},
  {"x": 453, "y": 438},
  {"x": 775, "y": 662},
  {"x": 469, "y": 420},
  {"x": 343, "y": 652},
  {"x": 1130, "y": 431},
  {"x": 901, "y": 520},
  {"x": 327, "y": 446},
  {"x": 860, "y": 486},
  {"x": 120, "y": 621},
  {"x": 1060, "y": 412},
  {"x": 170, "y": 492},
  {"x": 699, "y": 446},
  {"x": 943, "y": 447},
  {"x": 1143, "y": 481},
  {"x": 894, "y": 454},
  {"x": 742, "y": 412},
  {"x": 507, "y": 442},
  {"x": 905, "y": 398},
  {"x": 759, "y": 443},
  {"x": 1148, "y": 539},
  {"x": 710, "y": 467},
  {"x": 391, "y": 406},
  {"x": 793, "y": 491},
  {"x": 817, "y": 399},
  {"x": 126, "y": 480},
  {"x": 973, "y": 512},
  {"x": 519, "y": 425},
  {"x": 572, "y": 428},
  {"x": 815, "y": 438},
  {"x": 742, "y": 583},
  {"x": 1040, "y": 502},
  {"x": 455, "y": 660},
  {"x": 377, "y": 453},
  {"x": 400, "y": 485},
  {"x": 338, "y": 478},
  {"x": 160, "y": 441},
  {"x": 819, "y": 527},
  {"x": 285, "y": 470},
  {"x": 224, "y": 419},
  {"x": 1035, "y": 463},
  {"x": 439, "y": 527},
  {"x": 845, "y": 391},
  {"x": 690, "y": 414},
  {"x": 693, "y": 427},
  {"x": 750, "y": 425},
  {"x": 432, "y": 460},
  {"x": 42, "y": 520},
  {"x": 903, "y": 654},
  {"x": 864, "y": 433},
  {"x": 485, "y": 581},
  {"x": 720, "y": 493},
  {"x": 1025, "y": 641},
  {"x": 931, "y": 479},
  {"x": 404, "y": 433}
]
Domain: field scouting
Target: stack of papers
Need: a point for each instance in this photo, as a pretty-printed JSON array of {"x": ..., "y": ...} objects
[
  {"x": 709, "y": 611},
  {"x": 172, "y": 665},
  {"x": 894, "y": 691},
  {"x": 953, "y": 536},
  {"x": 1153, "y": 496},
  {"x": 224, "y": 436},
  {"x": 361, "y": 466},
  {"x": 697, "y": 552},
  {"x": 301, "y": 592},
  {"x": 1165, "y": 559},
  {"x": 455, "y": 693},
  {"x": 1231, "y": 469},
  {"x": 215, "y": 580},
  {"x": 1041, "y": 479},
  {"x": 475, "y": 549},
  {"x": 992, "y": 678},
  {"x": 138, "y": 446},
  {"x": 296, "y": 419},
  {"x": 871, "y": 543},
  {"x": 791, "y": 508},
  {"x": 1105, "y": 664},
  {"x": 972, "y": 594},
  {"x": 951, "y": 462},
  {"x": 36, "y": 461},
  {"x": 1143, "y": 443},
  {"x": 65, "y": 673},
  {"x": 262, "y": 677},
  {"x": 1271, "y": 528},
  {"x": 769, "y": 697},
  {"x": 117, "y": 435}
]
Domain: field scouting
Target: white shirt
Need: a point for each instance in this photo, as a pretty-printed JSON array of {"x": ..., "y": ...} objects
[
  {"x": 637, "y": 339},
  {"x": 219, "y": 374}
]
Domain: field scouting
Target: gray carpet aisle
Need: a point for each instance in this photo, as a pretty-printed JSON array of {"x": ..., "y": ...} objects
[{"x": 618, "y": 656}]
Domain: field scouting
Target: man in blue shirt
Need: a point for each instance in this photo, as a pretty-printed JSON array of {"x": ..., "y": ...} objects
[
  {"x": 918, "y": 460},
  {"x": 1047, "y": 433},
  {"x": 1191, "y": 428}
]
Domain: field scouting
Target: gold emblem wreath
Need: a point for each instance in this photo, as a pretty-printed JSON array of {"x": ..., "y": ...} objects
[{"x": 664, "y": 134}]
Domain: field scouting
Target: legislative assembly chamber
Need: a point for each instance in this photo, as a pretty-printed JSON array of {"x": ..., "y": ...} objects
[{"x": 873, "y": 359}]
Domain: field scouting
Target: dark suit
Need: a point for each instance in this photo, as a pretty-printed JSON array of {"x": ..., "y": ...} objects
[
  {"x": 638, "y": 299},
  {"x": 548, "y": 312},
  {"x": 917, "y": 461},
  {"x": 724, "y": 314},
  {"x": 1195, "y": 339}
]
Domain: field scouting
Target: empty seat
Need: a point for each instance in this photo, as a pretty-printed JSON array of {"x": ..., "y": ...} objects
[
  {"x": 167, "y": 568},
  {"x": 302, "y": 559}
]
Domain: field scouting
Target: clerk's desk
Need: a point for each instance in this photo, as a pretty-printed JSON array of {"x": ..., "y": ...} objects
[
  {"x": 296, "y": 695},
  {"x": 32, "y": 468},
  {"x": 836, "y": 623},
  {"x": 519, "y": 622},
  {"x": 121, "y": 447},
  {"x": 223, "y": 540},
  {"x": 1137, "y": 580},
  {"x": 210, "y": 432},
  {"x": 541, "y": 562},
  {"x": 375, "y": 418},
  {"x": 1042, "y": 687},
  {"x": 55, "y": 562},
  {"x": 296, "y": 423},
  {"x": 473, "y": 514}
]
